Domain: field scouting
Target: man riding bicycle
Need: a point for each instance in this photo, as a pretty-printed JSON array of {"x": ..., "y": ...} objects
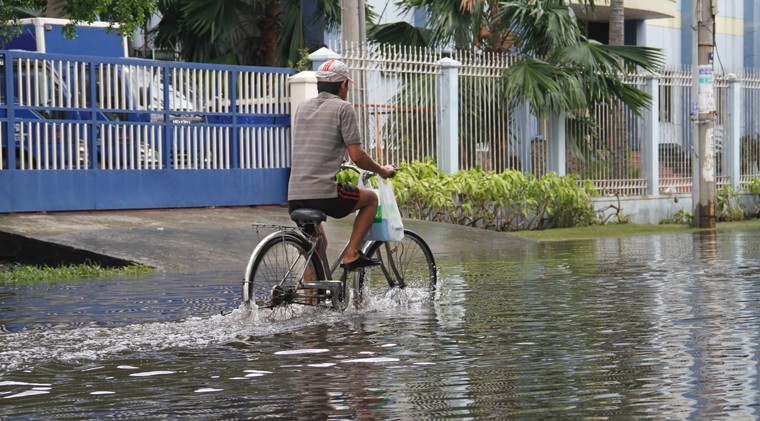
[{"x": 325, "y": 129}]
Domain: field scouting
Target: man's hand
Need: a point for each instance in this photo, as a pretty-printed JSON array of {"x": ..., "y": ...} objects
[
  {"x": 389, "y": 171},
  {"x": 365, "y": 162}
]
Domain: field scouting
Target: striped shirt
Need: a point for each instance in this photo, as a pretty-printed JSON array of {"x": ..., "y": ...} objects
[{"x": 322, "y": 129}]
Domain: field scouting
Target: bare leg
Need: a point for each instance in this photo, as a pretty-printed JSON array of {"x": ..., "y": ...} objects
[{"x": 367, "y": 206}]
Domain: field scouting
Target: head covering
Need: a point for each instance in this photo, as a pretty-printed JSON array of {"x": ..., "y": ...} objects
[{"x": 333, "y": 71}]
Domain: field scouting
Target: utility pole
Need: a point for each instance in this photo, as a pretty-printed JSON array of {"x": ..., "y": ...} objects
[
  {"x": 703, "y": 113},
  {"x": 349, "y": 18}
]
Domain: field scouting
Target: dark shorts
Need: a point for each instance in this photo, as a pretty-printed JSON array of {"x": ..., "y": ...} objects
[{"x": 335, "y": 207}]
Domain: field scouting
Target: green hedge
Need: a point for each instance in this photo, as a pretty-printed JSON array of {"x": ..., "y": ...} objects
[{"x": 507, "y": 201}]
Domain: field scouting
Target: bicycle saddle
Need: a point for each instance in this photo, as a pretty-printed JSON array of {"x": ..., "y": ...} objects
[{"x": 306, "y": 216}]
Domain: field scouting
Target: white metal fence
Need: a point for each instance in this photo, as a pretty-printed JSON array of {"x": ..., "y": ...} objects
[
  {"x": 395, "y": 98},
  {"x": 750, "y": 122},
  {"x": 48, "y": 144},
  {"x": 675, "y": 130},
  {"x": 398, "y": 100},
  {"x": 489, "y": 134}
]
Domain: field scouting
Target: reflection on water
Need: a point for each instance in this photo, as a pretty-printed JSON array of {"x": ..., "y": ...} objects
[{"x": 662, "y": 327}]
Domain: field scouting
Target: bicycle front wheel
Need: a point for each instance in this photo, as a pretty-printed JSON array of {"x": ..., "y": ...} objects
[
  {"x": 276, "y": 269},
  {"x": 408, "y": 263}
]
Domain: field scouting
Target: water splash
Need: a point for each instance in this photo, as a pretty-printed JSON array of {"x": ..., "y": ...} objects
[{"x": 25, "y": 348}]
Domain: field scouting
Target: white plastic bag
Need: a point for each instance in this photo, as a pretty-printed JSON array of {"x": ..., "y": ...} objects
[{"x": 387, "y": 225}]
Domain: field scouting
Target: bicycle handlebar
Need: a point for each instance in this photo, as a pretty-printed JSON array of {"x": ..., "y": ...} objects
[
  {"x": 347, "y": 166},
  {"x": 367, "y": 174}
]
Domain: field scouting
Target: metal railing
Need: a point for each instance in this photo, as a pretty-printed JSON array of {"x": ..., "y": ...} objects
[
  {"x": 86, "y": 113},
  {"x": 395, "y": 99},
  {"x": 489, "y": 136},
  {"x": 675, "y": 130},
  {"x": 80, "y": 133},
  {"x": 750, "y": 122},
  {"x": 397, "y": 108}
]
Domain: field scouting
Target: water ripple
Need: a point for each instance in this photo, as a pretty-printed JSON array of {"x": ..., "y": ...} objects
[{"x": 656, "y": 327}]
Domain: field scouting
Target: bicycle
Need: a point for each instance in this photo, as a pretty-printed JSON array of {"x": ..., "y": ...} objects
[{"x": 290, "y": 265}]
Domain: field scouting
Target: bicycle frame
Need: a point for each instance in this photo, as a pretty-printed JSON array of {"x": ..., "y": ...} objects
[{"x": 298, "y": 285}]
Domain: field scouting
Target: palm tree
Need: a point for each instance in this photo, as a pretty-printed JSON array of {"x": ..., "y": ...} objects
[
  {"x": 13, "y": 10},
  {"x": 470, "y": 24},
  {"x": 559, "y": 69},
  {"x": 617, "y": 22},
  {"x": 251, "y": 32},
  {"x": 618, "y": 124},
  {"x": 55, "y": 9},
  {"x": 563, "y": 71}
]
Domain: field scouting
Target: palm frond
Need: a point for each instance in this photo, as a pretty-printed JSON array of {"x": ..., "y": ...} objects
[
  {"x": 540, "y": 26},
  {"x": 610, "y": 58},
  {"x": 448, "y": 23},
  {"x": 217, "y": 19},
  {"x": 329, "y": 10},
  {"x": 545, "y": 87},
  {"x": 400, "y": 33},
  {"x": 290, "y": 38},
  {"x": 648, "y": 58}
]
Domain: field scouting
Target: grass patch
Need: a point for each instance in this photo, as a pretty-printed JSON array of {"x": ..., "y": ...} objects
[
  {"x": 37, "y": 274},
  {"x": 624, "y": 230}
]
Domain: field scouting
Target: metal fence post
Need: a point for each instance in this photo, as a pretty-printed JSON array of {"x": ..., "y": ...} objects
[
  {"x": 732, "y": 139},
  {"x": 649, "y": 155},
  {"x": 168, "y": 133},
  {"x": 448, "y": 115},
  {"x": 234, "y": 138},
  {"x": 10, "y": 124},
  {"x": 92, "y": 126}
]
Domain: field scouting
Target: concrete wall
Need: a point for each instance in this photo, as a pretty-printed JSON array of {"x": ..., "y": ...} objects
[
  {"x": 646, "y": 210},
  {"x": 653, "y": 210}
]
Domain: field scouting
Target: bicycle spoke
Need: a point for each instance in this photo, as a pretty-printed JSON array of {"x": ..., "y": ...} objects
[
  {"x": 279, "y": 269},
  {"x": 406, "y": 263}
]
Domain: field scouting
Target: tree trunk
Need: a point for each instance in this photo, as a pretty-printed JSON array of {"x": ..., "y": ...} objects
[
  {"x": 618, "y": 120},
  {"x": 617, "y": 22},
  {"x": 55, "y": 9}
]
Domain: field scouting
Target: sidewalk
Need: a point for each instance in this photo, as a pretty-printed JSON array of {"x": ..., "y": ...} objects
[
  {"x": 172, "y": 240},
  {"x": 191, "y": 240}
]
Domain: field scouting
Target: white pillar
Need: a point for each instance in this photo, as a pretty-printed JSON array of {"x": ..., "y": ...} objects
[
  {"x": 557, "y": 152},
  {"x": 302, "y": 87},
  {"x": 448, "y": 115},
  {"x": 732, "y": 139},
  {"x": 322, "y": 55},
  {"x": 649, "y": 150}
]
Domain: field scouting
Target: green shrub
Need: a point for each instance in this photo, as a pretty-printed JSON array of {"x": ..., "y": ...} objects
[
  {"x": 754, "y": 188},
  {"x": 727, "y": 206},
  {"x": 506, "y": 201},
  {"x": 682, "y": 216}
]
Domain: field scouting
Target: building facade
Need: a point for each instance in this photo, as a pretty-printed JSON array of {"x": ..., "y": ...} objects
[
  {"x": 667, "y": 24},
  {"x": 664, "y": 24}
]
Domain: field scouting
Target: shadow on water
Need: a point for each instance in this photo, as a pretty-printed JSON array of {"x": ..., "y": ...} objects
[{"x": 662, "y": 327}]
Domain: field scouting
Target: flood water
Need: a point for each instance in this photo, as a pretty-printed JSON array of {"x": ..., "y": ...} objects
[{"x": 650, "y": 327}]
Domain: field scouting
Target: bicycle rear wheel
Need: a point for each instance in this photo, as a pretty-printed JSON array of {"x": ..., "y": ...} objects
[
  {"x": 408, "y": 263},
  {"x": 277, "y": 267}
]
